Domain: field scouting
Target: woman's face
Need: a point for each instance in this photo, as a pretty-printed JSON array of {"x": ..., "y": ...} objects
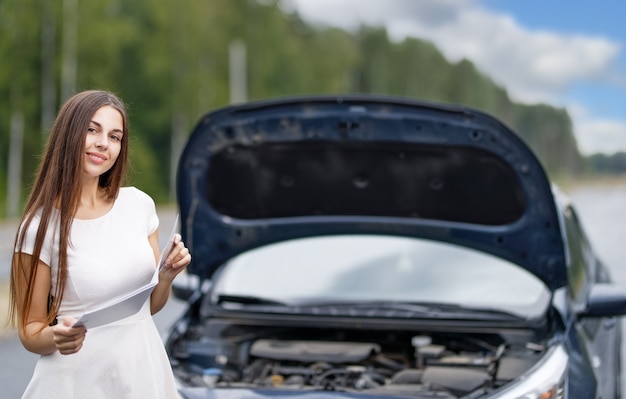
[{"x": 103, "y": 141}]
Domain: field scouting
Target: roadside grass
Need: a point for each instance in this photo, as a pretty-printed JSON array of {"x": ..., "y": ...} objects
[{"x": 601, "y": 181}]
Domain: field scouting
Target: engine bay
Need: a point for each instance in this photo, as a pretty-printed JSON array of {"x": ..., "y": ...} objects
[{"x": 393, "y": 363}]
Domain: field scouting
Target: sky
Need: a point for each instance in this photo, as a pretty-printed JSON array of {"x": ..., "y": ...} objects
[{"x": 569, "y": 54}]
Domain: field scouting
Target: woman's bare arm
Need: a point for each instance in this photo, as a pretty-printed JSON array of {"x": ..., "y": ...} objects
[
  {"x": 175, "y": 263},
  {"x": 37, "y": 336}
]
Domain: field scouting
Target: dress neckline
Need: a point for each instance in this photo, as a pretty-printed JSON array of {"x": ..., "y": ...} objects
[{"x": 104, "y": 215}]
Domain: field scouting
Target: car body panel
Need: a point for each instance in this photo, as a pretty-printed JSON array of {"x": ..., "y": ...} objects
[
  {"x": 206, "y": 393},
  {"x": 257, "y": 178},
  {"x": 272, "y": 170}
]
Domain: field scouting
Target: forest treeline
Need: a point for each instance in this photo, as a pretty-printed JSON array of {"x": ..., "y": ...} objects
[{"x": 171, "y": 61}]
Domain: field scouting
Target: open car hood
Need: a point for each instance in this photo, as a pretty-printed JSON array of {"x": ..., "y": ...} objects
[{"x": 287, "y": 168}]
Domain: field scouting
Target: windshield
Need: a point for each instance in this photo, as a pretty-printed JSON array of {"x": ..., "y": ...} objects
[{"x": 382, "y": 268}]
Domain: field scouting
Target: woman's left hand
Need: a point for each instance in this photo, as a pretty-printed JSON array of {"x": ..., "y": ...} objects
[{"x": 178, "y": 258}]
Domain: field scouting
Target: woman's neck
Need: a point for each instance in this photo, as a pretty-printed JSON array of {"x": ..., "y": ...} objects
[{"x": 94, "y": 203}]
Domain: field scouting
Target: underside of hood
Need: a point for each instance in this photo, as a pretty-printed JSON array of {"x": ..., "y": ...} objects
[{"x": 287, "y": 168}]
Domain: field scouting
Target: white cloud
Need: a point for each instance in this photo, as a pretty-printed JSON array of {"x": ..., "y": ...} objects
[
  {"x": 607, "y": 136},
  {"x": 534, "y": 66},
  {"x": 595, "y": 135}
]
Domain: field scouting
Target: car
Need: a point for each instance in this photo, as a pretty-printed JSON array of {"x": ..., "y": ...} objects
[{"x": 367, "y": 246}]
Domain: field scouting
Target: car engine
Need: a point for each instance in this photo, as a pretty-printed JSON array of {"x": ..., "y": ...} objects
[{"x": 403, "y": 364}]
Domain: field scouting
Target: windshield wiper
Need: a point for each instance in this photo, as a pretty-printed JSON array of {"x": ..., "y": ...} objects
[
  {"x": 248, "y": 300},
  {"x": 389, "y": 309},
  {"x": 408, "y": 309}
]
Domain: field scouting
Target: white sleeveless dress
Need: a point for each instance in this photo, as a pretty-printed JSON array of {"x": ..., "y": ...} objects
[{"x": 108, "y": 257}]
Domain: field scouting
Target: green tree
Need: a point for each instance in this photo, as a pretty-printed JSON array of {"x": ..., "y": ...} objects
[{"x": 169, "y": 61}]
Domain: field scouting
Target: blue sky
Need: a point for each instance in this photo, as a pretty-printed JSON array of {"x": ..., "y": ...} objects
[
  {"x": 600, "y": 19},
  {"x": 569, "y": 54}
]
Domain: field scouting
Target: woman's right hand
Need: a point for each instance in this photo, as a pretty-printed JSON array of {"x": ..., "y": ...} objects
[{"x": 68, "y": 339}]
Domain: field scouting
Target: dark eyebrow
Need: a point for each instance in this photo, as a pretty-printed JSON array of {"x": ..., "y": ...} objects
[{"x": 100, "y": 126}]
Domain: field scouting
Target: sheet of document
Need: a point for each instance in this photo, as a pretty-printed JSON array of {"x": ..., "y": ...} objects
[{"x": 131, "y": 303}]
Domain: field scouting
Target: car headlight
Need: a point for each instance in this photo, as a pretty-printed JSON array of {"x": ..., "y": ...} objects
[{"x": 546, "y": 380}]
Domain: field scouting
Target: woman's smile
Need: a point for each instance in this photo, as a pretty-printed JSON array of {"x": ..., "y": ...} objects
[{"x": 98, "y": 159}]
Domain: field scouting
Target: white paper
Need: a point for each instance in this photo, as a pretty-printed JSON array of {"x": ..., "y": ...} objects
[{"x": 131, "y": 303}]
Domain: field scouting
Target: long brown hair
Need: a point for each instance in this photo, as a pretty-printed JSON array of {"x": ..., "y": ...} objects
[{"x": 58, "y": 186}]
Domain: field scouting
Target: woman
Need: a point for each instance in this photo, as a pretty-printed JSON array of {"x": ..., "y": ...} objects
[{"x": 83, "y": 241}]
